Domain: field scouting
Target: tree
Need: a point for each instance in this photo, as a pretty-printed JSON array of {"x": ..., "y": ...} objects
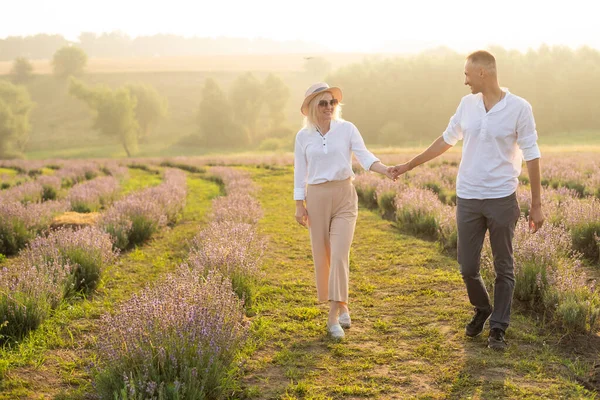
[
  {"x": 69, "y": 60},
  {"x": 215, "y": 119},
  {"x": 115, "y": 112},
  {"x": 21, "y": 70},
  {"x": 150, "y": 108},
  {"x": 15, "y": 105},
  {"x": 276, "y": 95},
  {"x": 247, "y": 99}
]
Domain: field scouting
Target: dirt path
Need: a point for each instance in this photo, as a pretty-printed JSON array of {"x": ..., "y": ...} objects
[{"x": 409, "y": 308}]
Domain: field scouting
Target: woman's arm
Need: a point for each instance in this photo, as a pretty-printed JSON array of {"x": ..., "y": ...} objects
[
  {"x": 382, "y": 169},
  {"x": 366, "y": 159},
  {"x": 437, "y": 148},
  {"x": 300, "y": 178}
]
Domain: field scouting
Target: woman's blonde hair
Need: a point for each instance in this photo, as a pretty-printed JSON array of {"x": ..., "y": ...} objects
[{"x": 310, "y": 121}]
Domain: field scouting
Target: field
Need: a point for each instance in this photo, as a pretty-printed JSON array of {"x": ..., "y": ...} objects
[
  {"x": 408, "y": 301},
  {"x": 62, "y": 125}
]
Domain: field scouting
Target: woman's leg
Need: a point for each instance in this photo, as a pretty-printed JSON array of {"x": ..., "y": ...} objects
[
  {"x": 318, "y": 205},
  {"x": 341, "y": 234}
]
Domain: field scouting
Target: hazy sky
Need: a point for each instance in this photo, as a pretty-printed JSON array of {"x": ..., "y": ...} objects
[{"x": 344, "y": 25}]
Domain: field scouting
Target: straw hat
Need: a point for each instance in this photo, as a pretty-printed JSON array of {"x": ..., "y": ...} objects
[{"x": 314, "y": 90}]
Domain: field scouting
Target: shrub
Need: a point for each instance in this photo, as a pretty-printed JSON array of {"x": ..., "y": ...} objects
[
  {"x": 175, "y": 340},
  {"x": 84, "y": 252},
  {"x": 234, "y": 250}
]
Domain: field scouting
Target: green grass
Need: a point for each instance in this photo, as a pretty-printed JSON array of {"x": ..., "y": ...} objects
[
  {"x": 408, "y": 305},
  {"x": 139, "y": 179},
  {"x": 53, "y": 361},
  {"x": 409, "y": 308}
]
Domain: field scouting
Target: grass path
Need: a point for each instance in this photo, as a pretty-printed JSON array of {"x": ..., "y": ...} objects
[
  {"x": 409, "y": 308},
  {"x": 53, "y": 362}
]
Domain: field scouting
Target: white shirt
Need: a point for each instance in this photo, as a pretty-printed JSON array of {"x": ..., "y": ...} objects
[
  {"x": 495, "y": 144},
  {"x": 319, "y": 159}
]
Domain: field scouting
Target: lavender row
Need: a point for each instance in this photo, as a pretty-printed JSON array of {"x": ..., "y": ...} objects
[
  {"x": 548, "y": 265},
  {"x": 19, "y": 223},
  {"x": 50, "y": 269},
  {"x": 23, "y": 215},
  {"x": 580, "y": 216},
  {"x": 135, "y": 218},
  {"x": 64, "y": 262},
  {"x": 179, "y": 338},
  {"x": 91, "y": 196},
  {"x": 550, "y": 278}
]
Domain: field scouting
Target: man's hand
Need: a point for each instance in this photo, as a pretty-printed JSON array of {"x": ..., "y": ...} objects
[
  {"x": 398, "y": 170},
  {"x": 536, "y": 218},
  {"x": 302, "y": 215},
  {"x": 390, "y": 174}
]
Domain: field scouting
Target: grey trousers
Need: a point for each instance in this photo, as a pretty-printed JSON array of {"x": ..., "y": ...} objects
[{"x": 499, "y": 216}]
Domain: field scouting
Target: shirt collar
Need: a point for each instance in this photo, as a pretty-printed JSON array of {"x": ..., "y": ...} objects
[
  {"x": 333, "y": 124},
  {"x": 499, "y": 106}
]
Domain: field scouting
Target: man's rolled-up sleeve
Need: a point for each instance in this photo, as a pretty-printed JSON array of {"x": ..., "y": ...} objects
[
  {"x": 527, "y": 135},
  {"x": 453, "y": 132}
]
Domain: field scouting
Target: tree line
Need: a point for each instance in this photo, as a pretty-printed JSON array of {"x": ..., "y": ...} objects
[
  {"x": 252, "y": 111},
  {"x": 395, "y": 101},
  {"x": 118, "y": 44},
  {"x": 399, "y": 101}
]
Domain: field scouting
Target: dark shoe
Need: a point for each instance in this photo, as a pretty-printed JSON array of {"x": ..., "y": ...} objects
[
  {"x": 475, "y": 327},
  {"x": 496, "y": 339}
]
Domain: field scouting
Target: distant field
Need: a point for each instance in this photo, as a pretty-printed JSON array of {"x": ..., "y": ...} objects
[
  {"x": 62, "y": 125},
  {"x": 222, "y": 63}
]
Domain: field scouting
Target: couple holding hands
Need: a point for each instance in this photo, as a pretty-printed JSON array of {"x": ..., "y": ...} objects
[{"x": 498, "y": 132}]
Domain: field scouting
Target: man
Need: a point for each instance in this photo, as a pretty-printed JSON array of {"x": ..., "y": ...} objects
[{"x": 496, "y": 127}]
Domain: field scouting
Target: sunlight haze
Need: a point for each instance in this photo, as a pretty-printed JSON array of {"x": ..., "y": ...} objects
[{"x": 351, "y": 26}]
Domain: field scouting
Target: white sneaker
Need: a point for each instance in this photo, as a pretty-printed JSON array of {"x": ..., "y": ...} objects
[
  {"x": 344, "y": 320},
  {"x": 335, "y": 331}
]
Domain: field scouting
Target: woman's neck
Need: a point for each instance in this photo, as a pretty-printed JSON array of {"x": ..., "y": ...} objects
[{"x": 323, "y": 126}]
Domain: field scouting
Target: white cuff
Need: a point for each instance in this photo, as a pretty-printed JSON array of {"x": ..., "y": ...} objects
[
  {"x": 531, "y": 153},
  {"x": 448, "y": 140},
  {"x": 371, "y": 162},
  {"x": 299, "y": 194}
]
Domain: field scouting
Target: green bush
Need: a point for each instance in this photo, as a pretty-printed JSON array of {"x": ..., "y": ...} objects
[
  {"x": 48, "y": 193},
  {"x": 367, "y": 197},
  {"x": 20, "y": 313},
  {"x": 14, "y": 235},
  {"x": 584, "y": 237},
  {"x": 417, "y": 222},
  {"x": 387, "y": 205}
]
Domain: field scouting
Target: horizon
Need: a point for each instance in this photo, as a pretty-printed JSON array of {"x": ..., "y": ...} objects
[{"x": 380, "y": 28}]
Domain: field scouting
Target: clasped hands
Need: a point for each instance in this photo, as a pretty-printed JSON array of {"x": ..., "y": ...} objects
[{"x": 394, "y": 172}]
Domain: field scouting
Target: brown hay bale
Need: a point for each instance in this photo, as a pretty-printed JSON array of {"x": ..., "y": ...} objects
[{"x": 74, "y": 219}]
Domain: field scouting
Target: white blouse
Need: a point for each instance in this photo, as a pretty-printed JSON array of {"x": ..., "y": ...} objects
[
  {"x": 494, "y": 145},
  {"x": 319, "y": 159}
]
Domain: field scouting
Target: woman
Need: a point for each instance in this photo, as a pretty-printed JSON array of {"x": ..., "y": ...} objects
[{"x": 326, "y": 201}]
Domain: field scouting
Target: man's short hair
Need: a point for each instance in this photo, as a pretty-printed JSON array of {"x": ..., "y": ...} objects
[{"x": 483, "y": 58}]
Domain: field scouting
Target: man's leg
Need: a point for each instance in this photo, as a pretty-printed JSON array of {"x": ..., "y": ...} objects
[
  {"x": 472, "y": 225},
  {"x": 502, "y": 215}
]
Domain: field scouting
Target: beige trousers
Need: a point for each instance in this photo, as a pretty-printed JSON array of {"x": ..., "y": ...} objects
[{"x": 332, "y": 210}]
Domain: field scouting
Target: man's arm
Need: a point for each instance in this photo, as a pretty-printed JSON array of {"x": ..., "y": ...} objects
[
  {"x": 437, "y": 148},
  {"x": 536, "y": 216}
]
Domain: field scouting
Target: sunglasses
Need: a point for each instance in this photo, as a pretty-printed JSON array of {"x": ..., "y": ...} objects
[{"x": 332, "y": 103}]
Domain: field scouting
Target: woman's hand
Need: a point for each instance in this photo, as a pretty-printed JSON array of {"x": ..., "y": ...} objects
[
  {"x": 301, "y": 214},
  {"x": 382, "y": 169},
  {"x": 398, "y": 170}
]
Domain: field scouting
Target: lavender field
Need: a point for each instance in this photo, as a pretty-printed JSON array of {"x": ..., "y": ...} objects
[{"x": 187, "y": 278}]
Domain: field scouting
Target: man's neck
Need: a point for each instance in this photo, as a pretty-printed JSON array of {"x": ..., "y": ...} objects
[{"x": 492, "y": 96}]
